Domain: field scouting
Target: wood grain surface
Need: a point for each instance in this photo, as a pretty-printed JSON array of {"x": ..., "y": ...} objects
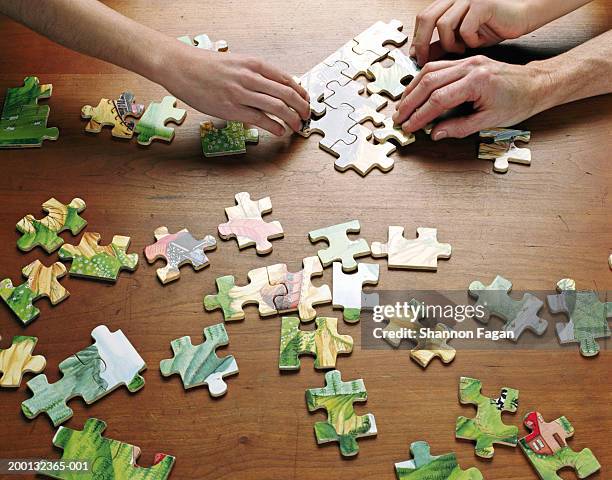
[{"x": 535, "y": 225}]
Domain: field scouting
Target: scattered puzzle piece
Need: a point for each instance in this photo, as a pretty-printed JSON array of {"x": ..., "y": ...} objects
[
  {"x": 91, "y": 374},
  {"x": 389, "y": 80},
  {"x": 91, "y": 260},
  {"x": 152, "y": 125},
  {"x": 200, "y": 365},
  {"x": 334, "y": 126},
  {"x": 325, "y": 343},
  {"x": 316, "y": 79},
  {"x": 18, "y": 359},
  {"x": 204, "y": 42},
  {"x": 342, "y": 425},
  {"x": 375, "y": 37},
  {"x": 364, "y": 108},
  {"x": 230, "y": 140},
  {"x": 497, "y": 144},
  {"x": 301, "y": 294},
  {"x": 588, "y": 317},
  {"x": 363, "y": 156},
  {"x": 547, "y": 450},
  {"x": 231, "y": 298},
  {"x": 178, "y": 249},
  {"x": 347, "y": 288},
  {"x": 356, "y": 63},
  {"x": 487, "y": 427},
  {"x": 107, "y": 459},
  {"x": 23, "y": 122},
  {"x": 421, "y": 253},
  {"x": 115, "y": 113},
  {"x": 41, "y": 282},
  {"x": 44, "y": 232},
  {"x": 519, "y": 315},
  {"x": 424, "y": 466},
  {"x": 389, "y": 131},
  {"x": 245, "y": 223},
  {"x": 340, "y": 246}
]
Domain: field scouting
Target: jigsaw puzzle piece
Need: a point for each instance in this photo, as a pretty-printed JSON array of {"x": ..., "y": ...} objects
[
  {"x": 341, "y": 247},
  {"x": 200, "y": 365},
  {"x": 347, "y": 288},
  {"x": 342, "y": 425},
  {"x": 230, "y": 140},
  {"x": 41, "y": 282},
  {"x": 44, "y": 232},
  {"x": 316, "y": 79},
  {"x": 364, "y": 108},
  {"x": 498, "y": 144},
  {"x": 424, "y": 466},
  {"x": 547, "y": 450},
  {"x": 18, "y": 359},
  {"x": 487, "y": 427},
  {"x": 178, "y": 249},
  {"x": 203, "y": 41},
  {"x": 390, "y": 80},
  {"x": 301, "y": 294},
  {"x": 375, "y": 37},
  {"x": 90, "y": 260},
  {"x": 152, "y": 125},
  {"x": 334, "y": 126},
  {"x": 325, "y": 343},
  {"x": 588, "y": 316},
  {"x": 26, "y": 95},
  {"x": 362, "y": 155},
  {"x": 113, "y": 113},
  {"x": 246, "y": 224},
  {"x": 389, "y": 131},
  {"x": 356, "y": 63},
  {"x": 421, "y": 253}
]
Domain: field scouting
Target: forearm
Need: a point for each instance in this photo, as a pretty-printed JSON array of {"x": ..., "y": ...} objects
[{"x": 542, "y": 12}]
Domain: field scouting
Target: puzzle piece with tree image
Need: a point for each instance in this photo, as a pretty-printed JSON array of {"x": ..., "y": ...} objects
[
  {"x": 230, "y": 140},
  {"x": 347, "y": 288},
  {"x": 342, "y": 424},
  {"x": 341, "y": 247},
  {"x": 498, "y": 144},
  {"x": 152, "y": 124},
  {"x": 120, "y": 114},
  {"x": 18, "y": 359},
  {"x": 92, "y": 373},
  {"x": 41, "y": 282},
  {"x": 487, "y": 427},
  {"x": 325, "y": 343},
  {"x": 199, "y": 365}
]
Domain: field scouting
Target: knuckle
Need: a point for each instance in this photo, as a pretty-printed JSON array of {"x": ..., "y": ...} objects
[
  {"x": 437, "y": 98},
  {"x": 252, "y": 63},
  {"x": 483, "y": 74},
  {"x": 422, "y": 18},
  {"x": 429, "y": 80}
]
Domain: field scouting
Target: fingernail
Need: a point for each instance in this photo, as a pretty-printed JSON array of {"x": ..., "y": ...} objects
[
  {"x": 412, "y": 51},
  {"x": 440, "y": 135}
]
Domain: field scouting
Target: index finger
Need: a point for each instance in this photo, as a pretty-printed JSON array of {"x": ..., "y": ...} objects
[
  {"x": 275, "y": 74},
  {"x": 424, "y": 27}
]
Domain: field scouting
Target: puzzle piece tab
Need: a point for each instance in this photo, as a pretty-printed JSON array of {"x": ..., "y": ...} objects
[
  {"x": 334, "y": 126},
  {"x": 487, "y": 427},
  {"x": 347, "y": 288},
  {"x": 230, "y": 140},
  {"x": 44, "y": 232},
  {"x": 203, "y": 41},
  {"x": 547, "y": 450},
  {"x": 90, "y": 260},
  {"x": 115, "y": 113},
  {"x": 389, "y": 131},
  {"x": 424, "y": 466},
  {"x": 41, "y": 282},
  {"x": 200, "y": 365},
  {"x": 519, "y": 315},
  {"x": 108, "y": 459},
  {"x": 588, "y": 316},
  {"x": 91, "y": 374},
  {"x": 497, "y": 144},
  {"x": 375, "y": 37},
  {"x": 316, "y": 79},
  {"x": 356, "y": 63},
  {"x": 364, "y": 107},
  {"x": 152, "y": 125},
  {"x": 342, "y": 425},
  {"x": 18, "y": 359},
  {"x": 421, "y": 253},
  {"x": 362, "y": 155},
  {"x": 325, "y": 343},
  {"x": 340, "y": 246},
  {"x": 389, "y": 80},
  {"x": 245, "y": 223},
  {"x": 178, "y": 249}
]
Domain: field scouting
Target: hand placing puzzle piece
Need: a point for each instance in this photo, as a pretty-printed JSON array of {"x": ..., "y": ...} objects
[
  {"x": 18, "y": 359},
  {"x": 152, "y": 125},
  {"x": 424, "y": 466}
]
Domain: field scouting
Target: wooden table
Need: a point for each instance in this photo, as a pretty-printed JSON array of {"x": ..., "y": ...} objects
[{"x": 535, "y": 225}]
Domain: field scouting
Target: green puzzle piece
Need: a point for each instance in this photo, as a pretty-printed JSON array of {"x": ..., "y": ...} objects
[
  {"x": 341, "y": 247},
  {"x": 152, "y": 124},
  {"x": 424, "y": 466},
  {"x": 230, "y": 140},
  {"x": 487, "y": 428},
  {"x": 23, "y": 122},
  {"x": 200, "y": 365},
  {"x": 107, "y": 459},
  {"x": 342, "y": 425}
]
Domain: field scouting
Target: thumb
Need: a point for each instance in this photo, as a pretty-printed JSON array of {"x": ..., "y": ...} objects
[{"x": 460, "y": 127}]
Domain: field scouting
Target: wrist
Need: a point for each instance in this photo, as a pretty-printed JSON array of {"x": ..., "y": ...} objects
[{"x": 544, "y": 85}]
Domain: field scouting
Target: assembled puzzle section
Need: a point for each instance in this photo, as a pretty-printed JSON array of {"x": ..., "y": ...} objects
[
  {"x": 23, "y": 122},
  {"x": 92, "y": 373},
  {"x": 364, "y": 107},
  {"x": 498, "y": 144},
  {"x": 152, "y": 125},
  {"x": 107, "y": 459},
  {"x": 90, "y": 260},
  {"x": 375, "y": 38},
  {"x": 120, "y": 114},
  {"x": 547, "y": 450},
  {"x": 44, "y": 232},
  {"x": 347, "y": 289},
  {"x": 246, "y": 224},
  {"x": 230, "y": 140},
  {"x": 588, "y": 316},
  {"x": 18, "y": 359},
  {"x": 424, "y": 466},
  {"x": 341, "y": 247},
  {"x": 199, "y": 365},
  {"x": 389, "y": 80},
  {"x": 362, "y": 155},
  {"x": 519, "y": 315},
  {"x": 342, "y": 424},
  {"x": 315, "y": 82},
  {"x": 178, "y": 249},
  {"x": 487, "y": 427},
  {"x": 325, "y": 343},
  {"x": 421, "y": 253},
  {"x": 334, "y": 126},
  {"x": 41, "y": 282}
]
